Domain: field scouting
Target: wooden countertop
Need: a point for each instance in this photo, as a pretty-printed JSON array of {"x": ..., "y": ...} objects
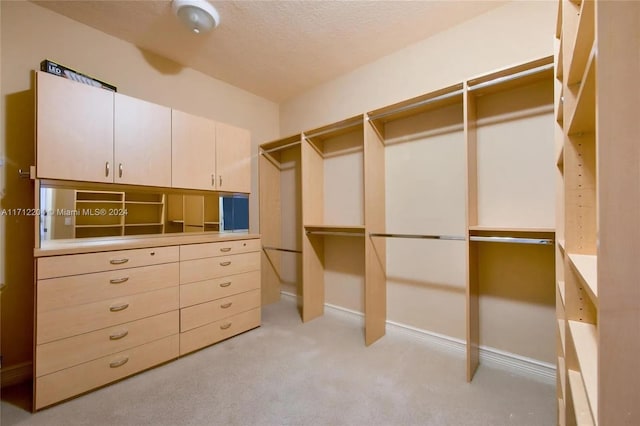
[{"x": 92, "y": 245}]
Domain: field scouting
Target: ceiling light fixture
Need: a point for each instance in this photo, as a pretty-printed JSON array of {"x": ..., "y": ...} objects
[{"x": 198, "y": 15}]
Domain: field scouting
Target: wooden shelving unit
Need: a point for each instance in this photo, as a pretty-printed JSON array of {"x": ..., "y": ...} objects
[
  {"x": 98, "y": 213},
  {"x": 145, "y": 213},
  {"x": 280, "y": 218},
  {"x": 192, "y": 213},
  {"x": 332, "y": 175},
  {"x": 509, "y": 231},
  {"x": 600, "y": 152}
]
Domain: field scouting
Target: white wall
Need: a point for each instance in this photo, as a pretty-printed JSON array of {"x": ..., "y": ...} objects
[{"x": 510, "y": 34}]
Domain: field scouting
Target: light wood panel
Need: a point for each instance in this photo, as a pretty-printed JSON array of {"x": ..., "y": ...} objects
[
  {"x": 270, "y": 228},
  {"x": 233, "y": 158},
  {"x": 205, "y": 313},
  {"x": 205, "y": 291},
  {"x": 215, "y": 267},
  {"x": 74, "y": 130},
  {"x": 67, "y": 383},
  {"x": 375, "y": 298},
  {"x": 227, "y": 248},
  {"x": 50, "y": 267},
  {"x": 472, "y": 288},
  {"x": 219, "y": 330},
  {"x": 312, "y": 246},
  {"x": 617, "y": 129},
  {"x": 142, "y": 142},
  {"x": 61, "y": 323},
  {"x": 72, "y": 351},
  {"x": 193, "y": 151},
  {"x": 59, "y": 293}
]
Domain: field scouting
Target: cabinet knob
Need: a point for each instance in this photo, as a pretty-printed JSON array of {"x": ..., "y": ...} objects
[
  {"x": 119, "y": 335},
  {"x": 119, "y": 363},
  {"x": 119, "y": 280},
  {"x": 106, "y": 169},
  {"x": 227, "y": 284},
  {"x": 225, "y": 249},
  {"x": 227, "y": 263},
  {"x": 118, "y": 261},
  {"x": 226, "y": 305},
  {"x": 225, "y": 326},
  {"x": 220, "y": 181},
  {"x": 213, "y": 180},
  {"x": 119, "y": 308},
  {"x": 120, "y": 170}
]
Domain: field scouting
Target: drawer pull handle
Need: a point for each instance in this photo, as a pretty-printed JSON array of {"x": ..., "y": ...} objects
[
  {"x": 227, "y": 284},
  {"x": 119, "y": 335},
  {"x": 225, "y": 326},
  {"x": 118, "y": 261},
  {"x": 119, "y": 307},
  {"x": 226, "y": 305},
  {"x": 119, "y": 280},
  {"x": 227, "y": 263},
  {"x": 225, "y": 249},
  {"x": 119, "y": 363}
]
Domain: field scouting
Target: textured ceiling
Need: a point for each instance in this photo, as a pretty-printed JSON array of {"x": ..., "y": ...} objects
[{"x": 276, "y": 49}]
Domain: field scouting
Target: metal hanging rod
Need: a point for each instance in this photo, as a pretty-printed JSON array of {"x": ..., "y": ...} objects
[
  {"x": 281, "y": 249},
  {"x": 333, "y": 129},
  {"x": 513, "y": 240},
  {"x": 417, "y": 104},
  {"x": 337, "y": 233},
  {"x": 515, "y": 76},
  {"x": 418, "y": 236},
  {"x": 278, "y": 148}
]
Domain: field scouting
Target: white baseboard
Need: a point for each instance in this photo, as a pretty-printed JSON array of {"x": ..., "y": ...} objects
[
  {"x": 14, "y": 374},
  {"x": 511, "y": 362}
]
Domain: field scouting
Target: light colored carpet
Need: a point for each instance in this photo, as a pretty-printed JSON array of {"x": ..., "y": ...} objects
[{"x": 319, "y": 373}]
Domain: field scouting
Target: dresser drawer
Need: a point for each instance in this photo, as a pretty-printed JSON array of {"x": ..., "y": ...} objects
[
  {"x": 215, "y": 267},
  {"x": 199, "y": 251},
  {"x": 219, "y": 330},
  {"x": 65, "y": 353},
  {"x": 205, "y": 291},
  {"x": 204, "y": 313},
  {"x": 56, "y": 293},
  {"x": 60, "y": 323},
  {"x": 74, "y": 264},
  {"x": 66, "y": 383}
]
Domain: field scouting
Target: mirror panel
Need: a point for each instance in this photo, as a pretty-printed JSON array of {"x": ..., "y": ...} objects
[{"x": 75, "y": 212}]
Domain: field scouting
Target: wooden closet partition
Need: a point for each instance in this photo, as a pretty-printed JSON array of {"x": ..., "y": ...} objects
[
  {"x": 280, "y": 219},
  {"x": 424, "y": 193}
]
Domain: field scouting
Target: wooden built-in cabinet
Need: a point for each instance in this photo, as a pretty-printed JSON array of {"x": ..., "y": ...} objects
[
  {"x": 209, "y": 155},
  {"x": 89, "y": 134},
  {"x": 598, "y": 297},
  {"x": 193, "y": 151},
  {"x": 103, "y": 316},
  {"x": 233, "y": 158},
  {"x": 142, "y": 142},
  {"x": 74, "y": 130}
]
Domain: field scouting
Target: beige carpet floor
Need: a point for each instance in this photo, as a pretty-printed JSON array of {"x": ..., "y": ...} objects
[{"x": 319, "y": 373}]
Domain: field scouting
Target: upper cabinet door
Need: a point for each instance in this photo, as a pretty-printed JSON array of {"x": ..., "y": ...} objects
[
  {"x": 233, "y": 158},
  {"x": 142, "y": 147},
  {"x": 193, "y": 151},
  {"x": 74, "y": 131}
]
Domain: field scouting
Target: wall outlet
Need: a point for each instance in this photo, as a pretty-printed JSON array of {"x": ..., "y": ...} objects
[{"x": 67, "y": 221}]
